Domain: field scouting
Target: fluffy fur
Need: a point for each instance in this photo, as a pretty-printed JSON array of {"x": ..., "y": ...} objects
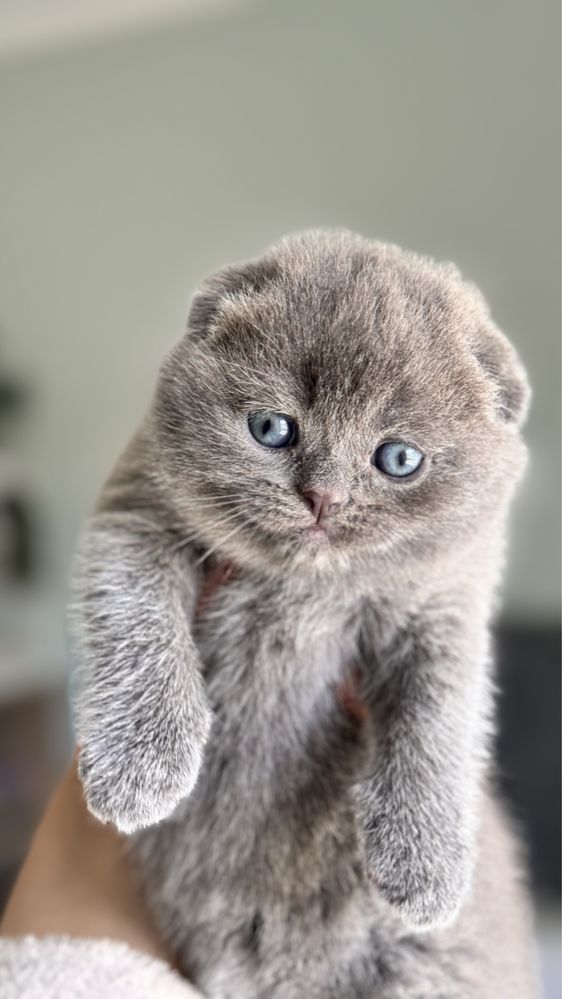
[{"x": 314, "y": 742}]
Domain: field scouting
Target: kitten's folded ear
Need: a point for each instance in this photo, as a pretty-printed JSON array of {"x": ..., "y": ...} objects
[
  {"x": 499, "y": 360},
  {"x": 239, "y": 279}
]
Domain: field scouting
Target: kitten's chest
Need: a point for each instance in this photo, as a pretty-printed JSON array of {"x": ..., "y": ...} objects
[
  {"x": 283, "y": 636},
  {"x": 273, "y": 657}
]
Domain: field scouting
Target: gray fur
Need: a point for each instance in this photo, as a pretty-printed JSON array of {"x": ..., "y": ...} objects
[{"x": 317, "y": 739}]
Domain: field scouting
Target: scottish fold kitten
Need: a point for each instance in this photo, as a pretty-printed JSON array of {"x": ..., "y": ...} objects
[{"x": 283, "y": 602}]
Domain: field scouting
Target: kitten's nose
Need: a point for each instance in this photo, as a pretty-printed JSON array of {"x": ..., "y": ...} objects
[{"x": 322, "y": 504}]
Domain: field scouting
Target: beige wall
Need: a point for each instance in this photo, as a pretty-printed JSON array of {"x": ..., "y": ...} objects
[{"x": 132, "y": 166}]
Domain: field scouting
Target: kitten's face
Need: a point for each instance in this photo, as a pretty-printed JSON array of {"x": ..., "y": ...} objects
[{"x": 341, "y": 398}]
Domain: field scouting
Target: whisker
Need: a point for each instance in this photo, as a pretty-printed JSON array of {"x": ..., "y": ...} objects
[
  {"x": 205, "y": 501},
  {"x": 216, "y": 504},
  {"x": 219, "y": 544},
  {"x": 215, "y": 496},
  {"x": 197, "y": 534}
]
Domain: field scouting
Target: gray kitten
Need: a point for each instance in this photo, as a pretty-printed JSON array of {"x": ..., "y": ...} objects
[{"x": 340, "y": 425}]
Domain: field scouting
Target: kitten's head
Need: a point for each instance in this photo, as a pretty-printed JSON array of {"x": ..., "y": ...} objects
[{"x": 335, "y": 397}]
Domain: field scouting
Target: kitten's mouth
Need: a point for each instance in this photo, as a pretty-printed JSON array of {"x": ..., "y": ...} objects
[{"x": 317, "y": 534}]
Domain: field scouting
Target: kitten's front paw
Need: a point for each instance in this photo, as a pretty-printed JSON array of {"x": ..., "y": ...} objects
[
  {"x": 424, "y": 875},
  {"x": 134, "y": 778}
]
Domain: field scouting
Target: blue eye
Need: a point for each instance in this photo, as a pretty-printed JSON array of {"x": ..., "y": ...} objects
[
  {"x": 397, "y": 459},
  {"x": 272, "y": 429}
]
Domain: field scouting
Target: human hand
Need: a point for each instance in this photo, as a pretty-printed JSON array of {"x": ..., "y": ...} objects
[{"x": 77, "y": 881}]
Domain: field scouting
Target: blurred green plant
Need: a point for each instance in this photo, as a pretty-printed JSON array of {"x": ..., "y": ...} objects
[{"x": 16, "y": 529}]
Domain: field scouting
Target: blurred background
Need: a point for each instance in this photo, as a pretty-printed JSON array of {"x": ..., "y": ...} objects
[{"x": 145, "y": 143}]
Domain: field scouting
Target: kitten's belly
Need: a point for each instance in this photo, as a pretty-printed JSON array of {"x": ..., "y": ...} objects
[{"x": 261, "y": 867}]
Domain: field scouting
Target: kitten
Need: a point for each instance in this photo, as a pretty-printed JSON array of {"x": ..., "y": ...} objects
[{"x": 340, "y": 425}]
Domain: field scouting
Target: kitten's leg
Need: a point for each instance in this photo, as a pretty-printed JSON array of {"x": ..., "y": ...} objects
[
  {"x": 429, "y": 699},
  {"x": 141, "y": 714}
]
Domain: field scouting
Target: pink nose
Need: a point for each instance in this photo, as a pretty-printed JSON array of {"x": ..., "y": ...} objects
[{"x": 322, "y": 504}]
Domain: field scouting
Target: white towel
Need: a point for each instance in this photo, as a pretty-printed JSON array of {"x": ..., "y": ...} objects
[{"x": 60, "y": 967}]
